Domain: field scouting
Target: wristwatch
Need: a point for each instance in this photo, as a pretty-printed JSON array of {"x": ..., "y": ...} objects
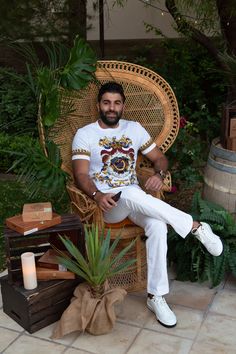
[
  {"x": 94, "y": 193},
  {"x": 162, "y": 174}
]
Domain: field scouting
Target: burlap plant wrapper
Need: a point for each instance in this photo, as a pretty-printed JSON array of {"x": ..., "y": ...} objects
[{"x": 87, "y": 313}]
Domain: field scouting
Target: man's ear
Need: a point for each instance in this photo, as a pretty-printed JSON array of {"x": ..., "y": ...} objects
[{"x": 98, "y": 108}]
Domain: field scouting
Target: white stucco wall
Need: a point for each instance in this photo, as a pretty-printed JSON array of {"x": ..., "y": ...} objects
[{"x": 128, "y": 22}]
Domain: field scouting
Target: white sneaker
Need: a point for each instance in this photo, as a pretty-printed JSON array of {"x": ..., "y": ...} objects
[
  {"x": 164, "y": 315},
  {"x": 211, "y": 241}
]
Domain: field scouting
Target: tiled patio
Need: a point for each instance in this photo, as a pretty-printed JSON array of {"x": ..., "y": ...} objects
[{"x": 206, "y": 324}]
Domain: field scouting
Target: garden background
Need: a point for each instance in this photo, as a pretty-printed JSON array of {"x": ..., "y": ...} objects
[{"x": 200, "y": 89}]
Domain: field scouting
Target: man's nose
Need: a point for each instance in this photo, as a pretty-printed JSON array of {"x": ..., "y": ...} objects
[{"x": 112, "y": 106}]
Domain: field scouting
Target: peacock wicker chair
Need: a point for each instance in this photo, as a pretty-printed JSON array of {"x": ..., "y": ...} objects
[{"x": 150, "y": 101}]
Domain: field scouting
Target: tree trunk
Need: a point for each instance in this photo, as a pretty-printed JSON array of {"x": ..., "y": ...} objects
[
  {"x": 227, "y": 15},
  {"x": 77, "y": 18}
]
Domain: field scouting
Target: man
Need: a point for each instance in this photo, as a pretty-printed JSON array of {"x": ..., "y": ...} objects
[{"x": 104, "y": 156}]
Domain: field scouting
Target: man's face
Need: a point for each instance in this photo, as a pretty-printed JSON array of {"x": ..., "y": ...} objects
[{"x": 111, "y": 108}]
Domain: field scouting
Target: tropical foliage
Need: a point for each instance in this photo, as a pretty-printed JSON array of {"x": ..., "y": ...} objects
[
  {"x": 192, "y": 260},
  {"x": 67, "y": 70},
  {"x": 101, "y": 261}
]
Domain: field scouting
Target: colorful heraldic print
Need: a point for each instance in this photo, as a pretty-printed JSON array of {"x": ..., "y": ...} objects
[{"x": 118, "y": 160}]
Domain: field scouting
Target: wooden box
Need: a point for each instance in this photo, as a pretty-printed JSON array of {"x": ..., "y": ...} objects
[
  {"x": 39, "y": 242},
  {"x": 16, "y": 223},
  {"x": 37, "y": 212},
  {"x": 35, "y": 309}
]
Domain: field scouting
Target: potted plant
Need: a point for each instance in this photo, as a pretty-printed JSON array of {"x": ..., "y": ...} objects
[{"x": 92, "y": 308}]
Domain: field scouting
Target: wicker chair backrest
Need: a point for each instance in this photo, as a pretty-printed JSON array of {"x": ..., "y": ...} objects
[{"x": 149, "y": 100}]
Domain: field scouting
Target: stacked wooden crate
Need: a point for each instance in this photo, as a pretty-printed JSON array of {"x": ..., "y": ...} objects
[{"x": 35, "y": 309}]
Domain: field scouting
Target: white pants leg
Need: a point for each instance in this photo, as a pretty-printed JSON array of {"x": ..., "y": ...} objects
[{"x": 153, "y": 215}]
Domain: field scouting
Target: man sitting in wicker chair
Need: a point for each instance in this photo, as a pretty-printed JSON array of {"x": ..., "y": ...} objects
[{"x": 104, "y": 157}]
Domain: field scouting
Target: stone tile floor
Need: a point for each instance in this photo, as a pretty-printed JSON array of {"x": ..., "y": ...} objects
[{"x": 206, "y": 324}]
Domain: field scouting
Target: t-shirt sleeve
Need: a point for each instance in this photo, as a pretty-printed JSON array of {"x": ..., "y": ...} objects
[
  {"x": 80, "y": 146},
  {"x": 146, "y": 142}
]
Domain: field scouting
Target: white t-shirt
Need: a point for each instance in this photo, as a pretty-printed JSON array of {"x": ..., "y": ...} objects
[{"x": 112, "y": 152}]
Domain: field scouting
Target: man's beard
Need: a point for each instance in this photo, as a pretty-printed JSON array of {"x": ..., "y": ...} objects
[{"x": 110, "y": 121}]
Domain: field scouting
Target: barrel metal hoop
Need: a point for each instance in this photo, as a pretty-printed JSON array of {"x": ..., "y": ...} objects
[
  {"x": 221, "y": 152},
  {"x": 221, "y": 167}
]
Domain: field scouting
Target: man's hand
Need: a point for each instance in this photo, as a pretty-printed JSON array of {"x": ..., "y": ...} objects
[
  {"x": 105, "y": 201},
  {"x": 154, "y": 183}
]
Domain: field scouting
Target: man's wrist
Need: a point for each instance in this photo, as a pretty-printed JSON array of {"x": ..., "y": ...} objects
[{"x": 95, "y": 193}]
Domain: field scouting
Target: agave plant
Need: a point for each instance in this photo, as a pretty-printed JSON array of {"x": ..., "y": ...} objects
[{"x": 100, "y": 262}]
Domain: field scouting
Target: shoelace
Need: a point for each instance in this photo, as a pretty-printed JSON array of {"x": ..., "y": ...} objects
[{"x": 159, "y": 300}]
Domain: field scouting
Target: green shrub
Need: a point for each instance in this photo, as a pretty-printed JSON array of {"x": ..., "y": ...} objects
[
  {"x": 18, "y": 107},
  {"x": 192, "y": 74},
  {"x": 200, "y": 91},
  {"x": 16, "y": 144},
  {"x": 192, "y": 260},
  {"x": 187, "y": 156}
]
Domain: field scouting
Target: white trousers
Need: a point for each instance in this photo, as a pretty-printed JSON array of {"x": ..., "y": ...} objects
[{"x": 152, "y": 215}]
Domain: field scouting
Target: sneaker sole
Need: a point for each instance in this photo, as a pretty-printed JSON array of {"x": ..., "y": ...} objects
[{"x": 163, "y": 324}]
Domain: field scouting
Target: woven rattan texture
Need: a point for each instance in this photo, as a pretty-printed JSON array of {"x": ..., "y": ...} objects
[{"x": 149, "y": 100}]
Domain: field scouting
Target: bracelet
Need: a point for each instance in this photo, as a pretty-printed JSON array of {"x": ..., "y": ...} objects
[
  {"x": 94, "y": 193},
  {"x": 162, "y": 174}
]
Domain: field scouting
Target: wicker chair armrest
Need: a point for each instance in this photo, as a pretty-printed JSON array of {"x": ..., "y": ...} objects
[
  {"x": 86, "y": 207},
  {"x": 144, "y": 173}
]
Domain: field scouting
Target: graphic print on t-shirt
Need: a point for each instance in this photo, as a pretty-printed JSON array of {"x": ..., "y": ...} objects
[{"x": 118, "y": 162}]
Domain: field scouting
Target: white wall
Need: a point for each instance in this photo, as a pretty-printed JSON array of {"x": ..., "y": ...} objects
[{"x": 128, "y": 22}]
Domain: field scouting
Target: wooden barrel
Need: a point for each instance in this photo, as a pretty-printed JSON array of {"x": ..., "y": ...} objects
[{"x": 220, "y": 177}]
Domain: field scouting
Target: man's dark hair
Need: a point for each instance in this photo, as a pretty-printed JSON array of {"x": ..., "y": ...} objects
[{"x": 112, "y": 87}]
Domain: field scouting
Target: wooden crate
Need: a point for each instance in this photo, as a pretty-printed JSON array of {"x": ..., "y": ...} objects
[
  {"x": 35, "y": 309},
  {"x": 39, "y": 242}
]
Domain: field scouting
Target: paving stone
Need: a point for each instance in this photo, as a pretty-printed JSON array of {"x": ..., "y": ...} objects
[
  {"x": 7, "y": 337},
  {"x": 76, "y": 351},
  {"x": 153, "y": 343},
  {"x": 29, "y": 344},
  {"x": 188, "y": 324},
  {"x": 210, "y": 348},
  {"x": 46, "y": 332},
  {"x": 116, "y": 342},
  {"x": 190, "y": 295},
  {"x": 224, "y": 303},
  {"x": 8, "y": 322},
  {"x": 218, "y": 330},
  {"x": 133, "y": 310}
]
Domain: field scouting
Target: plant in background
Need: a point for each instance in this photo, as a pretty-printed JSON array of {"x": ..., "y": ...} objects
[
  {"x": 92, "y": 309},
  {"x": 67, "y": 70},
  {"x": 18, "y": 109},
  {"x": 191, "y": 259},
  {"x": 191, "y": 72},
  {"x": 187, "y": 155}
]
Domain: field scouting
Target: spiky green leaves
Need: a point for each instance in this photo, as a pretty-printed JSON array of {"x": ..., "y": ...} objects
[
  {"x": 78, "y": 71},
  {"x": 102, "y": 260}
]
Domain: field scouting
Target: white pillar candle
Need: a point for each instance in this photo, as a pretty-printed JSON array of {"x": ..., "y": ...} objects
[{"x": 29, "y": 270}]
